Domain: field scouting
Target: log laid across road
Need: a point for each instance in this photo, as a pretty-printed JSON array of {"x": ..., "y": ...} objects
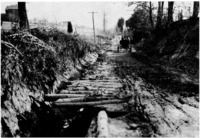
[
  {"x": 83, "y": 99},
  {"x": 76, "y": 92},
  {"x": 60, "y": 96},
  {"x": 81, "y": 104}
]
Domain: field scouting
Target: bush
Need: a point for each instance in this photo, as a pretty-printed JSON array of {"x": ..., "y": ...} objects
[{"x": 30, "y": 67}]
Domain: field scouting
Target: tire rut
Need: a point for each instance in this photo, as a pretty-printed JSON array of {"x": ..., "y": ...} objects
[{"x": 166, "y": 115}]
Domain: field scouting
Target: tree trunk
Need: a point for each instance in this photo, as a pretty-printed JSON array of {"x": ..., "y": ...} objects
[
  {"x": 150, "y": 15},
  {"x": 162, "y": 8},
  {"x": 180, "y": 15},
  {"x": 170, "y": 12},
  {"x": 23, "y": 15},
  {"x": 195, "y": 9},
  {"x": 159, "y": 16}
]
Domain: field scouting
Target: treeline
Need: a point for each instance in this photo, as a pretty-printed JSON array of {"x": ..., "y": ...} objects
[
  {"x": 146, "y": 23},
  {"x": 157, "y": 34}
]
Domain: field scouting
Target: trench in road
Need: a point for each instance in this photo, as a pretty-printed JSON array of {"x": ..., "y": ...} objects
[{"x": 153, "y": 111}]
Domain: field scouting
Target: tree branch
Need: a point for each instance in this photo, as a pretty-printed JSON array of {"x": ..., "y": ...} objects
[{"x": 11, "y": 46}]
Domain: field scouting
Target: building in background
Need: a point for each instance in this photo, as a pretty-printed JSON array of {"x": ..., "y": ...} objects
[
  {"x": 11, "y": 14},
  {"x": 10, "y": 19}
]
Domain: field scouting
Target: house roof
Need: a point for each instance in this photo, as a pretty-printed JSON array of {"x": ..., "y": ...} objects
[{"x": 12, "y": 7}]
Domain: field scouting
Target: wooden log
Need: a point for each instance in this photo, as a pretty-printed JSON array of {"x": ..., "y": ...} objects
[
  {"x": 83, "y": 99},
  {"x": 82, "y": 81},
  {"x": 77, "y": 99},
  {"x": 92, "y": 89},
  {"x": 102, "y": 125},
  {"x": 97, "y": 85},
  {"x": 106, "y": 85},
  {"x": 56, "y": 96},
  {"x": 108, "y": 92},
  {"x": 76, "y": 92},
  {"x": 81, "y": 104},
  {"x": 98, "y": 82},
  {"x": 104, "y": 79}
]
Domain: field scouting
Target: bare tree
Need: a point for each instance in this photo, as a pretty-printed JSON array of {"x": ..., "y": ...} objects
[
  {"x": 160, "y": 14},
  {"x": 120, "y": 24},
  {"x": 180, "y": 15},
  {"x": 23, "y": 15},
  {"x": 195, "y": 9},
  {"x": 170, "y": 12},
  {"x": 150, "y": 15}
]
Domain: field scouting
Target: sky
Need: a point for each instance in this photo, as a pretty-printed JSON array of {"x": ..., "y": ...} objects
[{"x": 77, "y": 12}]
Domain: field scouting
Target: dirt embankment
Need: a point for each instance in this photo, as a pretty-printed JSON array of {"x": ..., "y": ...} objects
[
  {"x": 34, "y": 64},
  {"x": 178, "y": 47}
]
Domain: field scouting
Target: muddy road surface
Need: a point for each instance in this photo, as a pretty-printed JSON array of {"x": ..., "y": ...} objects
[{"x": 163, "y": 103}]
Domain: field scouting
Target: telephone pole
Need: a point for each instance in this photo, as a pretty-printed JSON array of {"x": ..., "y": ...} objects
[
  {"x": 104, "y": 21},
  {"x": 93, "y": 24}
]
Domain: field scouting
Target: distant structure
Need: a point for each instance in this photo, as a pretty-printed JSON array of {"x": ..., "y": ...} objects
[
  {"x": 11, "y": 14},
  {"x": 69, "y": 28},
  {"x": 10, "y": 19},
  {"x": 66, "y": 26}
]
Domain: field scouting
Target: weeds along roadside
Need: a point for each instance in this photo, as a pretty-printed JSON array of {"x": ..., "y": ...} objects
[{"x": 31, "y": 63}]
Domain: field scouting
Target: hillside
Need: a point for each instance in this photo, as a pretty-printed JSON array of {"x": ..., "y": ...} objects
[{"x": 177, "y": 47}]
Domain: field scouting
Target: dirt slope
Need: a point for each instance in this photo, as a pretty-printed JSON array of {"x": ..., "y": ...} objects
[
  {"x": 33, "y": 65},
  {"x": 178, "y": 47}
]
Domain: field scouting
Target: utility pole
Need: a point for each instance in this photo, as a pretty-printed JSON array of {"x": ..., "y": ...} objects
[
  {"x": 104, "y": 21},
  {"x": 93, "y": 24}
]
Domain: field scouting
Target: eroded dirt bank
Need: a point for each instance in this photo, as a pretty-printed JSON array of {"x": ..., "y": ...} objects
[{"x": 34, "y": 64}]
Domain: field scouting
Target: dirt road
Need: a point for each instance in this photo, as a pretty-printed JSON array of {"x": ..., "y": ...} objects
[
  {"x": 164, "y": 103},
  {"x": 161, "y": 104}
]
